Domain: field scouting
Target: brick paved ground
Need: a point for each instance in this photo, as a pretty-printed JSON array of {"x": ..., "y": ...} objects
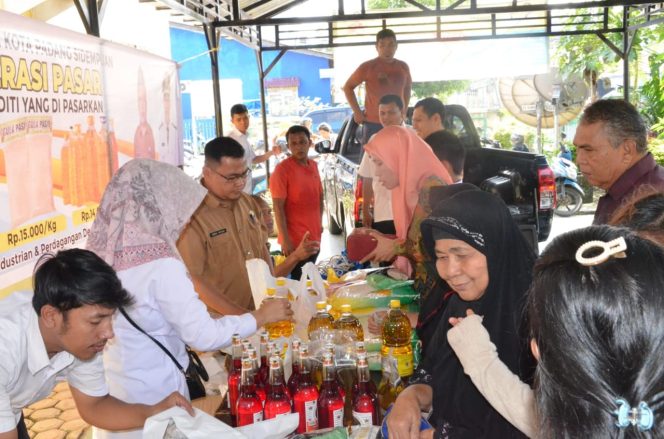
[{"x": 56, "y": 417}]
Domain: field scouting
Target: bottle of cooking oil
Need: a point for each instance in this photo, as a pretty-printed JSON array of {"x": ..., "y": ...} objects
[
  {"x": 396, "y": 339},
  {"x": 349, "y": 322},
  {"x": 282, "y": 290},
  {"x": 282, "y": 328},
  {"x": 390, "y": 385},
  {"x": 310, "y": 289},
  {"x": 321, "y": 320}
]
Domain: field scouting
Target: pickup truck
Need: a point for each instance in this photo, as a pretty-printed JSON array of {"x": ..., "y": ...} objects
[{"x": 523, "y": 180}]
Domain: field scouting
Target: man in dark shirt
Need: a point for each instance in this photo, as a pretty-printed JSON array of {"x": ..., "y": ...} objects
[{"x": 612, "y": 153}]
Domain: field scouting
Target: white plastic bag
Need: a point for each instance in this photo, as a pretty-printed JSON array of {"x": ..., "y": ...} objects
[
  {"x": 204, "y": 426},
  {"x": 200, "y": 426},
  {"x": 305, "y": 305},
  {"x": 260, "y": 279},
  {"x": 276, "y": 428}
]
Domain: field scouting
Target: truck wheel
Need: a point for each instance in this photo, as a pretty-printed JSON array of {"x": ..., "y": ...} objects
[
  {"x": 570, "y": 203},
  {"x": 332, "y": 225}
]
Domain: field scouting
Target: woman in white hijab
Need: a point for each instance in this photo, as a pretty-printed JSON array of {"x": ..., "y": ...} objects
[{"x": 142, "y": 212}]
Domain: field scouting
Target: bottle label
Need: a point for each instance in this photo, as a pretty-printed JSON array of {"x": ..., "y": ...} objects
[
  {"x": 258, "y": 417},
  {"x": 404, "y": 361},
  {"x": 337, "y": 417},
  {"x": 249, "y": 418},
  {"x": 311, "y": 415},
  {"x": 363, "y": 418},
  {"x": 405, "y": 365}
]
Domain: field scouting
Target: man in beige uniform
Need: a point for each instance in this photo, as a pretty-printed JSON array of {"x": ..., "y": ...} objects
[{"x": 225, "y": 231}]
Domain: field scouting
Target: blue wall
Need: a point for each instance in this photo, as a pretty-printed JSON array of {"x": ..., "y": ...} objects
[{"x": 239, "y": 61}]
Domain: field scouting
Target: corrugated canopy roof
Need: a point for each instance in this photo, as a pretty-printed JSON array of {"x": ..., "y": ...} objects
[{"x": 299, "y": 24}]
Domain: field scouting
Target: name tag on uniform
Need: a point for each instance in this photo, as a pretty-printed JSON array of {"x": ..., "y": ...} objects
[{"x": 217, "y": 233}]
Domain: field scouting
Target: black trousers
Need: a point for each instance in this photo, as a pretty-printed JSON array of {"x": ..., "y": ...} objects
[
  {"x": 297, "y": 271},
  {"x": 22, "y": 429},
  {"x": 385, "y": 227}
]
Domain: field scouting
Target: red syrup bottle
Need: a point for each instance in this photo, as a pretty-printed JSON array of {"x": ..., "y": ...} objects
[
  {"x": 305, "y": 399},
  {"x": 234, "y": 377},
  {"x": 277, "y": 403},
  {"x": 330, "y": 401},
  {"x": 295, "y": 374},
  {"x": 249, "y": 406},
  {"x": 365, "y": 401}
]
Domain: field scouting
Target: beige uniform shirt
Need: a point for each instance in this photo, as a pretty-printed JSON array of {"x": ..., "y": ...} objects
[{"x": 221, "y": 236}]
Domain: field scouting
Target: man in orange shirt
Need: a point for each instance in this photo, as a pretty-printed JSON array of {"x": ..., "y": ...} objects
[
  {"x": 297, "y": 196},
  {"x": 382, "y": 75}
]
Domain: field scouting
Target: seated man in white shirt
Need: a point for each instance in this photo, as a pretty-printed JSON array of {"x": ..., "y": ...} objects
[
  {"x": 377, "y": 204},
  {"x": 57, "y": 333}
]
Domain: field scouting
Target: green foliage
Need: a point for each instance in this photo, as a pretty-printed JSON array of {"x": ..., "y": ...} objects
[
  {"x": 652, "y": 94},
  {"x": 503, "y": 137},
  {"x": 397, "y": 4},
  {"x": 439, "y": 89},
  {"x": 585, "y": 54},
  {"x": 589, "y": 56},
  {"x": 656, "y": 147}
]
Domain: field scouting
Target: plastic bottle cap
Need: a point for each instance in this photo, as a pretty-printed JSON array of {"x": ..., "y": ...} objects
[
  {"x": 395, "y": 303},
  {"x": 346, "y": 308},
  {"x": 281, "y": 282},
  {"x": 310, "y": 283},
  {"x": 271, "y": 291},
  {"x": 321, "y": 305}
]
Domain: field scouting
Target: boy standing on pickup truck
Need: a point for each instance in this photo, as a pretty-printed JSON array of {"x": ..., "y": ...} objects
[
  {"x": 297, "y": 196},
  {"x": 381, "y": 76}
]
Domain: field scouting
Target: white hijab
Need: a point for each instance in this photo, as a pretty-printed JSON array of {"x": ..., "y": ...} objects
[{"x": 142, "y": 213}]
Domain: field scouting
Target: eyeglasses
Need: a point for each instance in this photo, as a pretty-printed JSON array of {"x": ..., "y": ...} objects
[{"x": 233, "y": 178}]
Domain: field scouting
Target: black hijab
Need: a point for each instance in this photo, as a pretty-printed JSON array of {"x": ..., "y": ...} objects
[
  {"x": 481, "y": 220},
  {"x": 432, "y": 304}
]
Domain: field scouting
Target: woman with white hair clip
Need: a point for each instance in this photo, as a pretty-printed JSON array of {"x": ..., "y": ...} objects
[{"x": 595, "y": 311}]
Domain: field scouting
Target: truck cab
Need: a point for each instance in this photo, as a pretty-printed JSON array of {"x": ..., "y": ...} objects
[{"x": 523, "y": 180}]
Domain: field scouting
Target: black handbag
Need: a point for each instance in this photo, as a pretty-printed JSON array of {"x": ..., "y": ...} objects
[{"x": 195, "y": 373}]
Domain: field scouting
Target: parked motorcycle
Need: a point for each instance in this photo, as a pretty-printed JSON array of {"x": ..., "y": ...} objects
[{"x": 568, "y": 192}]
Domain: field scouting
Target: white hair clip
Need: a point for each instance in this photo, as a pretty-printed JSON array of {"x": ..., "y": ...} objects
[{"x": 615, "y": 248}]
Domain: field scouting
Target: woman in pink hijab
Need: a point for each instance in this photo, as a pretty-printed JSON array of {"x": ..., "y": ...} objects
[{"x": 407, "y": 166}]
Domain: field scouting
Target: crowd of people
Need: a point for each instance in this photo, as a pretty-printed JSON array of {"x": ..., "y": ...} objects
[{"x": 565, "y": 345}]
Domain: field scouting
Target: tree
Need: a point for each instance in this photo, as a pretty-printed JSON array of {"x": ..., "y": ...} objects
[
  {"x": 439, "y": 89},
  {"x": 589, "y": 56},
  {"x": 651, "y": 94},
  {"x": 400, "y": 4}
]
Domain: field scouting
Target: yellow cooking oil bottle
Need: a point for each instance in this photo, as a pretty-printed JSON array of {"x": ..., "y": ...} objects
[
  {"x": 321, "y": 320},
  {"x": 282, "y": 328},
  {"x": 282, "y": 290},
  {"x": 396, "y": 339},
  {"x": 349, "y": 322}
]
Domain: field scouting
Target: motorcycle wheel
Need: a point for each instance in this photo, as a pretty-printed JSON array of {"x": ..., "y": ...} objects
[{"x": 570, "y": 203}]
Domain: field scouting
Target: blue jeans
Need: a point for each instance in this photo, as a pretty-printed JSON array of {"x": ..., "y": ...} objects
[{"x": 368, "y": 130}]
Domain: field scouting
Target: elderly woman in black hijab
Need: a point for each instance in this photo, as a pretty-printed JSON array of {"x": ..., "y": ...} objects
[{"x": 481, "y": 254}]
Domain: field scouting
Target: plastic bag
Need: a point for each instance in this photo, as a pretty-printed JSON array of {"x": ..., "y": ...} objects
[
  {"x": 304, "y": 307},
  {"x": 361, "y": 295},
  {"x": 175, "y": 423},
  {"x": 260, "y": 279}
]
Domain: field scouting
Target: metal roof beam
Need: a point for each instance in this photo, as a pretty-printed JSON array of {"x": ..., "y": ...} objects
[
  {"x": 282, "y": 8},
  {"x": 268, "y": 19}
]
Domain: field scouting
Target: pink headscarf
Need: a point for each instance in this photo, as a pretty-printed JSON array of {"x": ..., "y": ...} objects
[
  {"x": 403, "y": 152},
  {"x": 142, "y": 212}
]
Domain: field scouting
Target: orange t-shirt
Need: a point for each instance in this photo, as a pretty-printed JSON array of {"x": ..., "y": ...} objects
[
  {"x": 300, "y": 186},
  {"x": 381, "y": 78}
]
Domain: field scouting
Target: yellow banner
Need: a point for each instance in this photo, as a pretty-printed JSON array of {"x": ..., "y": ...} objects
[{"x": 32, "y": 232}]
